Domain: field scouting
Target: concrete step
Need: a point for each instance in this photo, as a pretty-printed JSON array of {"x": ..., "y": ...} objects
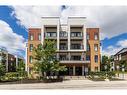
[{"x": 75, "y": 77}]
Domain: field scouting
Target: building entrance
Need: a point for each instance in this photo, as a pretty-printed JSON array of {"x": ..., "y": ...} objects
[{"x": 78, "y": 71}]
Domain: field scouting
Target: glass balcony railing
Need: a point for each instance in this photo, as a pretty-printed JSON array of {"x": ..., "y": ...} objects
[
  {"x": 51, "y": 34},
  {"x": 63, "y": 34},
  {"x": 65, "y": 58},
  {"x": 76, "y": 46},
  {"x": 76, "y": 34},
  {"x": 63, "y": 48}
]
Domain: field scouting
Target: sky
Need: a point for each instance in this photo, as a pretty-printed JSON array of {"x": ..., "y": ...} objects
[{"x": 15, "y": 21}]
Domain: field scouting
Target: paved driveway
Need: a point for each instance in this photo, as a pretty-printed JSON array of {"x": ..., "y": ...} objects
[{"x": 71, "y": 84}]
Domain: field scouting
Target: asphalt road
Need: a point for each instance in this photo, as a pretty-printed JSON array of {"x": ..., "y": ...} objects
[{"x": 71, "y": 84}]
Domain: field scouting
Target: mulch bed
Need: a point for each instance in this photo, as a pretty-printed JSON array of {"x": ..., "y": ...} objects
[{"x": 27, "y": 81}]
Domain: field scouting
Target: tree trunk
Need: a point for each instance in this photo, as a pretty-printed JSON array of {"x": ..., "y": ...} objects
[{"x": 45, "y": 74}]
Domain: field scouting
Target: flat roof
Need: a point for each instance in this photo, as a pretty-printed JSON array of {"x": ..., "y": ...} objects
[
  {"x": 76, "y": 17},
  {"x": 50, "y": 17}
]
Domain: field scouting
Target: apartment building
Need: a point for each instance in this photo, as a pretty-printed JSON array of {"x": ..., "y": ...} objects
[
  {"x": 10, "y": 61},
  {"x": 78, "y": 47},
  {"x": 120, "y": 55}
]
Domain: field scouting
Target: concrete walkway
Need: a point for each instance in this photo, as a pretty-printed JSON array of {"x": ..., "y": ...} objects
[{"x": 70, "y": 84}]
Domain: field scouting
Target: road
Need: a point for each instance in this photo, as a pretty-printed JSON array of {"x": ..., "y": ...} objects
[{"x": 70, "y": 84}]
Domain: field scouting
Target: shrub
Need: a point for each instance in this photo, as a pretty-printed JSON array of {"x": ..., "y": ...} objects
[
  {"x": 101, "y": 75},
  {"x": 13, "y": 76}
]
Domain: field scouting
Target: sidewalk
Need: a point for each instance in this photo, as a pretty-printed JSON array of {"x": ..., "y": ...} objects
[{"x": 70, "y": 84}]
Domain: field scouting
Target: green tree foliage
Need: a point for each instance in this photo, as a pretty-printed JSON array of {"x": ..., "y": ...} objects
[
  {"x": 21, "y": 69},
  {"x": 105, "y": 64},
  {"x": 123, "y": 64},
  {"x": 45, "y": 60},
  {"x": 2, "y": 70},
  {"x": 2, "y": 64}
]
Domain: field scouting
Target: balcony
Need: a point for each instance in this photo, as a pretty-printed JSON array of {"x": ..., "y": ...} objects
[
  {"x": 76, "y": 47},
  {"x": 63, "y": 46},
  {"x": 76, "y": 59}
]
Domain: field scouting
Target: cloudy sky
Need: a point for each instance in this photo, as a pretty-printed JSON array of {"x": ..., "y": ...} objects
[{"x": 15, "y": 21}]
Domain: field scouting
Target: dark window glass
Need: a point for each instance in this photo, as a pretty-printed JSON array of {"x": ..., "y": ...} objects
[
  {"x": 39, "y": 36},
  {"x": 30, "y": 59},
  {"x": 87, "y": 57},
  {"x": 31, "y": 37},
  {"x": 96, "y": 58},
  {"x": 31, "y": 47}
]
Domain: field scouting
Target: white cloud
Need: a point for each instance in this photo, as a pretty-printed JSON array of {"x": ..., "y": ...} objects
[
  {"x": 10, "y": 40},
  {"x": 110, "y": 19},
  {"x": 111, "y": 50},
  {"x": 122, "y": 43},
  {"x": 30, "y": 16}
]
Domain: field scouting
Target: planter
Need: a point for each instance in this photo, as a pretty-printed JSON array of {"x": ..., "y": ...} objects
[{"x": 107, "y": 79}]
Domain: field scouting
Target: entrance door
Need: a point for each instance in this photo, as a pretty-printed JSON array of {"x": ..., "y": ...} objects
[
  {"x": 70, "y": 71},
  {"x": 78, "y": 71}
]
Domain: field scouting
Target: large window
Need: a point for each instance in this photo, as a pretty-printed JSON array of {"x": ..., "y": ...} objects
[
  {"x": 63, "y": 34},
  {"x": 87, "y": 57},
  {"x": 30, "y": 59},
  {"x": 95, "y": 47},
  {"x": 76, "y": 57},
  {"x": 51, "y": 34},
  {"x": 96, "y": 58},
  {"x": 76, "y": 46},
  {"x": 88, "y": 47},
  {"x": 31, "y": 37},
  {"x": 63, "y": 57},
  {"x": 96, "y": 69},
  {"x": 31, "y": 47},
  {"x": 96, "y": 36},
  {"x": 63, "y": 46},
  {"x": 88, "y": 36},
  {"x": 76, "y": 34},
  {"x": 39, "y": 36}
]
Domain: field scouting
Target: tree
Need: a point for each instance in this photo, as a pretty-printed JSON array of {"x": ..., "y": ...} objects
[
  {"x": 21, "y": 69},
  {"x": 123, "y": 64},
  {"x": 45, "y": 60},
  {"x": 2, "y": 70},
  {"x": 2, "y": 64},
  {"x": 105, "y": 65}
]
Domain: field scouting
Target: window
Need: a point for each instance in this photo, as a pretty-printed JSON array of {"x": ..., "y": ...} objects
[
  {"x": 76, "y": 34},
  {"x": 30, "y": 59},
  {"x": 88, "y": 47},
  {"x": 95, "y": 47},
  {"x": 31, "y": 47},
  {"x": 87, "y": 57},
  {"x": 96, "y": 69},
  {"x": 51, "y": 34},
  {"x": 75, "y": 46},
  {"x": 95, "y": 36},
  {"x": 88, "y": 37},
  {"x": 31, "y": 37},
  {"x": 96, "y": 58},
  {"x": 39, "y": 36},
  {"x": 63, "y": 46},
  {"x": 63, "y": 34},
  {"x": 47, "y": 34},
  {"x": 76, "y": 57}
]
